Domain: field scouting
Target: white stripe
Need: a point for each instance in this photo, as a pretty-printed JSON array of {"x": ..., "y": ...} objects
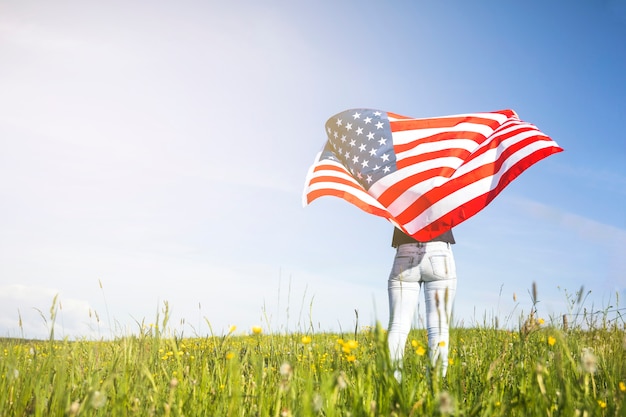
[
  {"x": 359, "y": 194},
  {"x": 491, "y": 155},
  {"x": 471, "y": 191},
  {"x": 467, "y": 144},
  {"x": 384, "y": 183},
  {"x": 498, "y": 117},
  {"x": 407, "y": 136}
]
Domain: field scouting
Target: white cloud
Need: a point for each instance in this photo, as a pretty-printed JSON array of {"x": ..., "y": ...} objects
[{"x": 35, "y": 312}]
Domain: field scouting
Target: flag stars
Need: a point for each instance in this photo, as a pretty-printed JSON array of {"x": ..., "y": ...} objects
[
  {"x": 359, "y": 131},
  {"x": 385, "y": 157},
  {"x": 368, "y": 120},
  {"x": 352, "y": 142},
  {"x": 365, "y": 163},
  {"x": 386, "y": 169},
  {"x": 379, "y": 125},
  {"x": 370, "y": 136},
  {"x": 377, "y": 113},
  {"x": 356, "y": 115},
  {"x": 368, "y": 179},
  {"x": 372, "y": 152},
  {"x": 382, "y": 141},
  {"x": 362, "y": 147},
  {"x": 376, "y": 167},
  {"x": 339, "y": 122},
  {"x": 355, "y": 159},
  {"x": 348, "y": 126},
  {"x": 343, "y": 138}
]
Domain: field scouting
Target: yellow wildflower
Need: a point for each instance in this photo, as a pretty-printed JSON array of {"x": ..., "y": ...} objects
[
  {"x": 230, "y": 355},
  {"x": 256, "y": 329},
  {"x": 602, "y": 404},
  {"x": 541, "y": 321},
  {"x": 442, "y": 343},
  {"x": 306, "y": 340},
  {"x": 622, "y": 386},
  {"x": 351, "y": 358},
  {"x": 420, "y": 351},
  {"x": 551, "y": 340},
  {"x": 415, "y": 343}
]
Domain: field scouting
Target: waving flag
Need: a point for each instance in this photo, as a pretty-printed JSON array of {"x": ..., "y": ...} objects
[{"x": 424, "y": 175}]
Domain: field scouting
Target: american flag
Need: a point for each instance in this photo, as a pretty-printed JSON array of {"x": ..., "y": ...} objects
[{"x": 424, "y": 175}]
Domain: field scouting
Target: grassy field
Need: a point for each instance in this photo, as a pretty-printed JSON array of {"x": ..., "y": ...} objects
[{"x": 537, "y": 370}]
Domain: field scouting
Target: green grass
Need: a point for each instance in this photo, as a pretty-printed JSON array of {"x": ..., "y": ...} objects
[{"x": 537, "y": 371}]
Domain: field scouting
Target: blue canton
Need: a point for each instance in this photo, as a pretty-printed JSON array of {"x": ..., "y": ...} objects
[{"x": 360, "y": 139}]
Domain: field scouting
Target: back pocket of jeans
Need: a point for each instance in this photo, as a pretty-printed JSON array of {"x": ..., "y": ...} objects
[
  {"x": 401, "y": 264},
  {"x": 443, "y": 266}
]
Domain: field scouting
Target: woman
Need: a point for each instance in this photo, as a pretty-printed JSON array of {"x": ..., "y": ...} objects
[{"x": 416, "y": 264}]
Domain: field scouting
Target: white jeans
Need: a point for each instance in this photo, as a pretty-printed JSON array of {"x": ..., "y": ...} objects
[{"x": 430, "y": 265}]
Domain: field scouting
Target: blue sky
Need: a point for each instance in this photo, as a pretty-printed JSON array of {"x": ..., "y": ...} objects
[{"x": 156, "y": 152}]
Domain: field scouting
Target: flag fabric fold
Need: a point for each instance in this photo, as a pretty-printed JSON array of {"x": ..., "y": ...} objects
[{"x": 424, "y": 175}]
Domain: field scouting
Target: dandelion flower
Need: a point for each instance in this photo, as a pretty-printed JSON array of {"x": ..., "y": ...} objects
[
  {"x": 305, "y": 340},
  {"x": 541, "y": 321},
  {"x": 230, "y": 355},
  {"x": 415, "y": 343},
  {"x": 420, "y": 351},
  {"x": 351, "y": 358},
  {"x": 98, "y": 399},
  {"x": 232, "y": 329},
  {"x": 589, "y": 361},
  {"x": 551, "y": 340},
  {"x": 74, "y": 408},
  {"x": 602, "y": 404},
  {"x": 257, "y": 329},
  {"x": 622, "y": 386},
  {"x": 341, "y": 381},
  {"x": 286, "y": 370},
  {"x": 442, "y": 343},
  {"x": 446, "y": 404}
]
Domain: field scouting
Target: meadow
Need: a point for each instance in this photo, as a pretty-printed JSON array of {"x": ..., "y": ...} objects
[{"x": 537, "y": 369}]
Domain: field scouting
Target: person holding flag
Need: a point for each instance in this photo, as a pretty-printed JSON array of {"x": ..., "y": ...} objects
[
  {"x": 425, "y": 176},
  {"x": 428, "y": 265}
]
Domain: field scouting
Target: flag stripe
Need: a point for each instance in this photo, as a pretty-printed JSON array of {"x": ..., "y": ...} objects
[
  {"x": 471, "y": 201},
  {"x": 478, "y": 158},
  {"x": 431, "y": 174},
  {"x": 466, "y": 186}
]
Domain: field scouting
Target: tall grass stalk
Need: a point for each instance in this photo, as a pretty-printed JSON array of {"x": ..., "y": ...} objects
[{"x": 539, "y": 370}]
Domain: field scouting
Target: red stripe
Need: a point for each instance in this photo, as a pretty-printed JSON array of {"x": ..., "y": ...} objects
[
  {"x": 440, "y": 123},
  {"x": 399, "y": 187},
  {"x": 337, "y": 180},
  {"x": 476, "y": 137},
  {"x": 428, "y": 156},
  {"x": 472, "y": 207},
  {"x": 433, "y": 196},
  {"x": 396, "y": 189},
  {"x": 328, "y": 167},
  {"x": 499, "y": 138},
  {"x": 313, "y": 195}
]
